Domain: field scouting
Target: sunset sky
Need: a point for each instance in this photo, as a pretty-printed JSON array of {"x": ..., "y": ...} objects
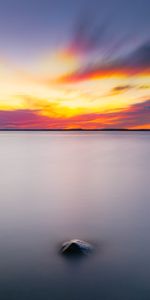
[{"x": 75, "y": 64}]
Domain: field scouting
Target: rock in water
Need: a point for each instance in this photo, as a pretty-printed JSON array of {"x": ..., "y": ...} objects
[{"x": 76, "y": 247}]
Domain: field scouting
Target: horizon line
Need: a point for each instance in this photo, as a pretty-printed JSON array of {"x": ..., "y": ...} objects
[{"x": 73, "y": 129}]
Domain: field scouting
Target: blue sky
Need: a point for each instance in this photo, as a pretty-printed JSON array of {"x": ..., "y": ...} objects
[{"x": 29, "y": 27}]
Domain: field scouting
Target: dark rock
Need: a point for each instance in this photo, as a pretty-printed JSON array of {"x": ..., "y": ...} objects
[{"x": 76, "y": 248}]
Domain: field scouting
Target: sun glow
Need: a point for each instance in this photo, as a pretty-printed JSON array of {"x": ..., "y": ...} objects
[{"x": 55, "y": 89}]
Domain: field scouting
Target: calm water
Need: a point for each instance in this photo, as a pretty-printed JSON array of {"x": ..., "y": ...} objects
[{"x": 57, "y": 186}]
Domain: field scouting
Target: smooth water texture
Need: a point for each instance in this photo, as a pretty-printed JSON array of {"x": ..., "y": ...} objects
[{"x": 56, "y": 186}]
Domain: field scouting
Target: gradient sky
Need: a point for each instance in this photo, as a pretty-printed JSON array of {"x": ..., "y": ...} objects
[{"x": 74, "y": 64}]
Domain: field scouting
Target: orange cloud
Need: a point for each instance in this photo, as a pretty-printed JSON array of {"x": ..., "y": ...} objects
[{"x": 91, "y": 74}]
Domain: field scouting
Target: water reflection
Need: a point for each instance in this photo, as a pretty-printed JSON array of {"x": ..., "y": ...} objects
[{"x": 55, "y": 187}]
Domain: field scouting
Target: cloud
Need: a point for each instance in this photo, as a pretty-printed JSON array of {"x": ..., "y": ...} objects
[
  {"x": 121, "y": 89},
  {"x": 134, "y": 116},
  {"x": 22, "y": 118},
  {"x": 41, "y": 104},
  {"x": 136, "y": 62},
  {"x": 140, "y": 57},
  {"x": 87, "y": 35},
  {"x": 144, "y": 87},
  {"x": 28, "y": 118},
  {"x": 131, "y": 117}
]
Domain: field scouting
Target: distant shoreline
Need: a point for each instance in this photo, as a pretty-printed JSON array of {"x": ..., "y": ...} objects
[{"x": 72, "y": 130}]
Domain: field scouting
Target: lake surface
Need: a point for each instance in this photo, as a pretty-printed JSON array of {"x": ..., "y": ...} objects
[{"x": 55, "y": 186}]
